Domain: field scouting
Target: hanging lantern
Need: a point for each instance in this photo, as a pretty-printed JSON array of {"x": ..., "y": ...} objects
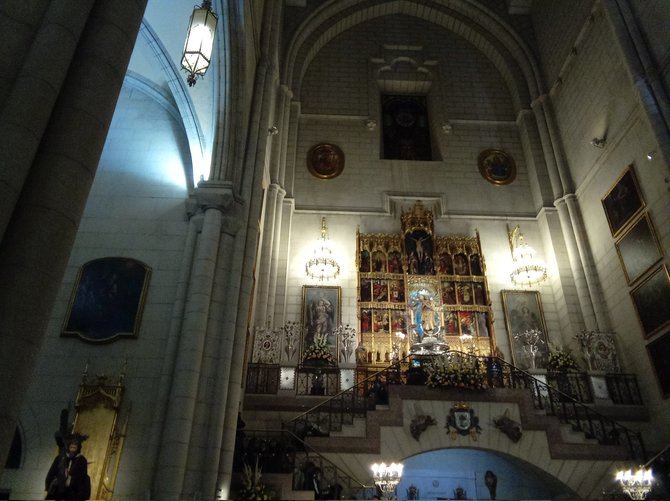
[
  {"x": 527, "y": 269},
  {"x": 199, "y": 42}
]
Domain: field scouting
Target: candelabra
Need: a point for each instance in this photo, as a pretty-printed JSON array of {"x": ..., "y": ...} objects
[
  {"x": 530, "y": 339},
  {"x": 387, "y": 477}
]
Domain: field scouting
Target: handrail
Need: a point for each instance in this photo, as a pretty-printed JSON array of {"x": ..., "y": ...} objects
[
  {"x": 311, "y": 450},
  {"x": 515, "y": 372},
  {"x": 663, "y": 451},
  {"x": 342, "y": 392},
  {"x": 547, "y": 385}
]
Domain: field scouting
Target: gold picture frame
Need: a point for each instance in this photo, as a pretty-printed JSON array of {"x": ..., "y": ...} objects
[
  {"x": 497, "y": 166},
  {"x": 517, "y": 320},
  {"x": 107, "y": 301},
  {"x": 311, "y": 295},
  {"x": 638, "y": 248},
  {"x": 651, "y": 298},
  {"x": 325, "y": 160},
  {"x": 623, "y": 201},
  {"x": 659, "y": 352}
]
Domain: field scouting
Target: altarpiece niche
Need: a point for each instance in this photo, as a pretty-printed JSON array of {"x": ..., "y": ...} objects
[{"x": 415, "y": 286}]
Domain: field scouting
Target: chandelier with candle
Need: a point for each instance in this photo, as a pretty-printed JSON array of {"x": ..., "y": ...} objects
[
  {"x": 199, "y": 42},
  {"x": 637, "y": 485},
  {"x": 387, "y": 477},
  {"x": 322, "y": 265},
  {"x": 526, "y": 269}
]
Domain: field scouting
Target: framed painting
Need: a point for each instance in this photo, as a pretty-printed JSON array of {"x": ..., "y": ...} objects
[
  {"x": 321, "y": 315},
  {"x": 523, "y": 312},
  {"x": 651, "y": 298},
  {"x": 325, "y": 161},
  {"x": 107, "y": 300},
  {"x": 496, "y": 166},
  {"x": 623, "y": 201},
  {"x": 659, "y": 353},
  {"x": 638, "y": 248}
]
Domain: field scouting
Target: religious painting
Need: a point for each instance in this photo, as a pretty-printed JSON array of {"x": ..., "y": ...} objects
[
  {"x": 444, "y": 265},
  {"x": 623, "y": 201},
  {"x": 496, "y": 166},
  {"x": 638, "y": 248},
  {"x": 480, "y": 293},
  {"x": 451, "y": 323},
  {"x": 405, "y": 128},
  {"x": 651, "y": 299},
  {"x": 366, "y": 320},
  {"x": 448, "y": 293},
  {"x": 465, "y": 293},
  {"x": 395, "y": 262},
  {"x": 419, "y": 252},
  {"x": 482, "y": 324},
  {"x": 366, "y": 289},
  {"x": 325, "y": 161},
  {"x": 378, "y": 262},
  {"x": 321, "y": 315},
  {"x": 467, "y": 321},
  {"x": 523, "y": 312},
  {"x": 108, "y": 299},
  {"x": 461, "y": 264},
  {"x": 380, "y": 290},
  {"x": 475, "y": 265},
  {"x": 396, "y": 291},
  {"x": 364, "y": 265},
  {"x": 398, "y": 322},
  {"x": 659, "y": 353}
]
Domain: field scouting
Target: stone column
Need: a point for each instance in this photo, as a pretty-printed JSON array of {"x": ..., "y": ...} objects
[
  {"x": 265, "y": 255},
  {"x": 39, "y": 237},
  {"x": 28, "y": 107},
  {"x": 282, "y": 263},
  {"x": 276, "y": 241}
]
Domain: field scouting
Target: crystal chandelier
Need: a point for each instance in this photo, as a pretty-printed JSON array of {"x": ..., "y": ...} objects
[
  {"x": 199, "y": 42},
  {"x": 527, "y": 270},
  {"x": 637, "y": 485},
  {"x": 322, "y": 266},
  {"x": 387, "y": 477}
]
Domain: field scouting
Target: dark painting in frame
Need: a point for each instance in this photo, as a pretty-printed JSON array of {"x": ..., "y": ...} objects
[
  {"x": 108, "y": 299},
  {"x": 321, "y": 309},
  {"x": 623, "y": 201},
  {"x": 659, "y": 353},
  {"x": 651, "y": 299},
  {"x": 638, "y": 248},
  {"x": 523, "y": 311}
]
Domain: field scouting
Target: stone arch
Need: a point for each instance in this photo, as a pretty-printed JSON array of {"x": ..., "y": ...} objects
[
  {"x": 555, "y": 487},
  {"x": 478, "y": 25}
]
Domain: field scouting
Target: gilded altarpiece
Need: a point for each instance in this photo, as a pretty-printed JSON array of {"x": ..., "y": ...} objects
[
  {"x": 415, "y": 285},
  {"x": 97, "y": 416}
]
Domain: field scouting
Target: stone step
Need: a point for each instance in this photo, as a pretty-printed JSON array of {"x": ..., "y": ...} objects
[{"x": 358, "y": 429}]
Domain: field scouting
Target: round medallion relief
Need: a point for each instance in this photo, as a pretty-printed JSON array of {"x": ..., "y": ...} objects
[
  {"x": 325, "y": 160},
  {"x": 497, "y": 166}
]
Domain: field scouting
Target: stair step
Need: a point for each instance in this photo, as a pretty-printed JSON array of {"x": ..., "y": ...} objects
[{"x": 358, "y": 429}]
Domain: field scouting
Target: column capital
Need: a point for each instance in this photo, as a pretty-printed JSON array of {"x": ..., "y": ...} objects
[{"x": 211, "y": 195}]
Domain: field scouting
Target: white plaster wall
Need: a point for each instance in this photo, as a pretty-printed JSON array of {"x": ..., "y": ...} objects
[{"x": 135, "y": 209}]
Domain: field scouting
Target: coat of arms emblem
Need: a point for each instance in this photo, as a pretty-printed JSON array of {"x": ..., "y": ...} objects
[{"x": 461, "y": 420}]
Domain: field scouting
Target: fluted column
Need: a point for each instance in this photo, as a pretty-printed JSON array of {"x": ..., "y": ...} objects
[
  {"x": 39, "y": 237},
  {"x": 28, "y": 107}
]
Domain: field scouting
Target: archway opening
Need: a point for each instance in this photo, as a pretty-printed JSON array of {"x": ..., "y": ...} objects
[{"x": 476, "y": 474}]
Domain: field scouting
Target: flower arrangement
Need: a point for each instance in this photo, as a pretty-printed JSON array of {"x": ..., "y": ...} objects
[
  {"x": 446, "y": 373},
  {"x": 253, "y": 488},
  {"x": 561, "y": 359},
  {"x": 319, "y": 352}
]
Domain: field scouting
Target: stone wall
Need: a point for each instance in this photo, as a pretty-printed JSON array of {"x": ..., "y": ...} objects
[{"x": 135, "y": 209}]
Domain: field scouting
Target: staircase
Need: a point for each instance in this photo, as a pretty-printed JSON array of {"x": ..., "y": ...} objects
[{"x": 570, "y": 440}]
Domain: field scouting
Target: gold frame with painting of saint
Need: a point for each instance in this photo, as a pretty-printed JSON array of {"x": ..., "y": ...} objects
[{"x": 321, "y": 315}]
